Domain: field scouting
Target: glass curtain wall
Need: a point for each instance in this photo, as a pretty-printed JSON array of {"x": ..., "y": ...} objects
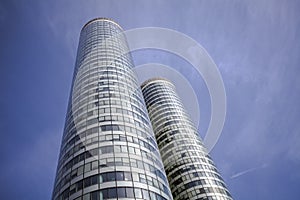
[
  {"x": 190, "y": 170},
  {"x": 108, "y": 148}
]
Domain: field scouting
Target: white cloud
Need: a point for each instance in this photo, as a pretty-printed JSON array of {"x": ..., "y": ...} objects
[{"x": 248, "y": 171}]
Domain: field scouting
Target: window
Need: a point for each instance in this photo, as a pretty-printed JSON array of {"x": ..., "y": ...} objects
[
  {"x": 129, "y": 192},
  {"x": 138, "y": 193},
  {"x": 142, "y": 178},
  {"x": 79, "y": 185},
  {"x": 111, "y": 176},
  {"x": 121, "y": 192},
  {"x": 94, "y": 165},
  {"x": 95, "y": 195},
  {"x": 87, "y": 167},
  {"x": 112, "y": 193},
  {"x": 86, "y": 197},
  {"x": 119, "y": 176},
  {"x": 127, "y": 176},
  {"x": 110, "y": 128},
  {"x": 94, "y": 180},
  {"x": 145, "y": 194},
  {"x": 87, "y": 182},
  {"x": 103, "y": 194},
  {"x": 135, "y": 177}
]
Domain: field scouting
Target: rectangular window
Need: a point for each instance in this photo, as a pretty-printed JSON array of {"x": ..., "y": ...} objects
[
  {"x": 121, "y": 192},
  {"x": 94, "y": 165},
  {"x": 127, "y": 176},
  {"x": 138, "y": 193},
  {"x": 112, "y": 193},
  {"x": 129, "y": 193},
  {"x": 120, "y": 176},
  {"x": 95, "y": 195}
]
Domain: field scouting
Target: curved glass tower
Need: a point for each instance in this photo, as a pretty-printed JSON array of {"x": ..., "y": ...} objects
[
  {"x": 108, "y": 148},
  {"x": 190, "y": 170}
]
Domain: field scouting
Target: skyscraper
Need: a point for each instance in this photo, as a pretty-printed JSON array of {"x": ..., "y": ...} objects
[
  {"x": 190, "y": 170},
  {"x": 108, "y": 149}
]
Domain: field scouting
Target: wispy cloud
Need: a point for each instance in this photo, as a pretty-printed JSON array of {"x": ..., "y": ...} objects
[{"x": 248, "y": 170}]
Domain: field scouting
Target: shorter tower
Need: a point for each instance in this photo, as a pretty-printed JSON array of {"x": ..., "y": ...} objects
[{"x": 190, "y": 170}]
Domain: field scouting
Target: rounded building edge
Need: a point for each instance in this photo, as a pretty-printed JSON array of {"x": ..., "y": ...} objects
[
  {"x": 151, "y": 80},
  {"x": 101, "y": 19}
]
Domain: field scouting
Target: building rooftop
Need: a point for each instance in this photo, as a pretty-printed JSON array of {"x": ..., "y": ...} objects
[
  {"x": 155, "y": 79},
  {"x": 102, "y": 19}
]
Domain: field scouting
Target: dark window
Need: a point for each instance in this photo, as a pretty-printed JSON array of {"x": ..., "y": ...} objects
[
  {"x": 87, "y": 182},
  {"x": 120, "y": 176},
  {"x": 121, "y": 192},
  {"x": 79, "y": 186},
  {"x": 95, "y": 195},
  {"x": 110, "y": 128},
  {"x": 112, "y": 193},
  {"x": 94, "y": 180},
  {"x": 111, "y": 176},
  {"x": 107, "y": 149},
  {"x": 104, "y": 194}
]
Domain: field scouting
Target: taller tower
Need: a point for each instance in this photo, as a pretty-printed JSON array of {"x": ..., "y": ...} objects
[
  {"x": 108, "y": 148},
  {"x": 190, "y": 170}
]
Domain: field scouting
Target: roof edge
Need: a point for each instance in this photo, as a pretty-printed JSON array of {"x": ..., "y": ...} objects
[
  {"x": 101, "y": 19},
  {"x": 155, "y": 79}
]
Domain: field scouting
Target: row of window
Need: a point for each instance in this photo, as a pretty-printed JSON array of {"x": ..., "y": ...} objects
[
  {"x": 83, "y": 112},
  {"x": 180, "y": 149},
  {"x": 184, "y": 131},
  {"x": 113, "y": 176},
  {"x": 153, "y": 110},
  {"x": 90, "y": 66},
  {"x": 118, "y": 192},
  {"x": 161, "y": 96},
  {"x": 127, "y": 129},
  {"x": 95, "y": 80},
  {"x": 86, "y": 76},
  {"x": 110, "y": 59},
  {"x": 183, "y": 166},
  {"x": 105, "y": 39},
  {"x": 104, "y": 75},
  {"x": 115, "y": 149},
  {"x": 108, "y": 137},
  {"x": 202, "y": 190},
  {"x": 112, "y": 162},
  {"x": 88, "y": 42},
  {"x": 71, "y": 129},
  {"x": 133, "y": 102},
  {"x": 155, "y": 86},
  {"x": 107, "y": 56},
  {"x": 166, "y": 115},
  {"x": 188, "y": 194},
  {"x": 117, "y": 176},
  {"x": 99, "y": 29}
]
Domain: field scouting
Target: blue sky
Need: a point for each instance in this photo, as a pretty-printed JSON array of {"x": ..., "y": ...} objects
[{"x": 255, "y": 44}]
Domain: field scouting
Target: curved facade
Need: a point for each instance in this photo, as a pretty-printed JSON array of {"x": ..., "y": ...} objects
[
  {"x": 108, "y": 149},
  {"x": 191, "y": 172}
]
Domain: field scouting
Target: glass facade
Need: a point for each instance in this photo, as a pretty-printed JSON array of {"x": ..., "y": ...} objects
[
  {"x": 190, "y": 170},
  {"x": 108, "y": 148}
]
